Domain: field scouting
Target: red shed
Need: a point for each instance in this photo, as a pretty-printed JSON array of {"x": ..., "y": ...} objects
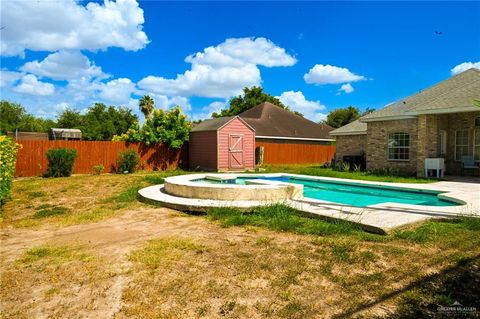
[{"x": 222, "y": 144}]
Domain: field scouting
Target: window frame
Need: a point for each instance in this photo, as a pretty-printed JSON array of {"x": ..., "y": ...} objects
[
  {"x": 443, "y": 142},
  {"x": 461, "y": 145},
  {"x": 398, "y": 147},
  {"x": 475, "y": 145}
]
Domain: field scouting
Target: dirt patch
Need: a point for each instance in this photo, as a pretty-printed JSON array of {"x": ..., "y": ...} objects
[
  {"x": 144, "y": 262},
  {"x": 111, "y": 242}
]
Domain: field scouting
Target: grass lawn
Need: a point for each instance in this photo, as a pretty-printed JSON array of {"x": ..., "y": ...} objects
[
  {"x": 328, "y": 172},
  {"x": 85, "y": 247}
]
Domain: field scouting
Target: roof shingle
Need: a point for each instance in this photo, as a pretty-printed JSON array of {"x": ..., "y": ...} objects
[
  {"x": 353, "y": 128},
  {"x": 212, "y": 124},
  {"x": 270, "y": 120},
  {"x": 452, "y": 95}
]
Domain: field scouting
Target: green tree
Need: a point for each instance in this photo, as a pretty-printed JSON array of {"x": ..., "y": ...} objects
[
  {"x": 168, "y": 127},
  {"x": 133, "y": 134},
  {"x": 147, "y": 105},
  {"x": 122, "y": 118},
  {"x": 14, "y": 116},
  {"x": 69, "y": 118},
  {"x": 342, "y": 116},
  {"x": 30, "y": 123},
  {"x": 11, "y": 115},
  {"x": 99, "y": 123},
  {"x": 251, "y": 97}
]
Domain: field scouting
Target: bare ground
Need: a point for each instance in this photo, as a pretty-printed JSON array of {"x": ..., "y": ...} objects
[{"x": 147, "y": 262}]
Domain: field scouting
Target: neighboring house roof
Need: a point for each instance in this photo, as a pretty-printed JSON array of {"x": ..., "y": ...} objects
[
  {"x": 455, "y": 94},
  {"x": 271, "y": 121},
  {"x": 353, "y": 128},
  {"x": 216, "y": 124}
]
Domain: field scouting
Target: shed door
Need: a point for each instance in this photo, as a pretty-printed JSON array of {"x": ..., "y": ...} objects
[{"x": 235, "y": 151}]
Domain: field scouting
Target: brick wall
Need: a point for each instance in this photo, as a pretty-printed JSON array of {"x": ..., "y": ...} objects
[
  {"x": 455, "y": 122},
  {"x": 350, "y": 145},
  {"x": 377, "y": 138},
  {"x": 424, "y": 141},
  {"x": 428, "y": 140}
]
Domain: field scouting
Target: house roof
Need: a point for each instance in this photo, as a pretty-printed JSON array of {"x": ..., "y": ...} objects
[
  {"x": 455, "y": 94},
  {"x": 271, "y": 121},
  {"x": 353, "y": 128},
  {"x": 216, "y": 124}
]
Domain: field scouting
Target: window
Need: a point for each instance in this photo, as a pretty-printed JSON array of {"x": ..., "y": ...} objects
[
  {"x": 477, "y": 121},
  {"x": 476, "y": 145},
  {"x": 443, "y": 142},
  {"x": 398, "y": 146},
  {"x": 461, "y": 144}
]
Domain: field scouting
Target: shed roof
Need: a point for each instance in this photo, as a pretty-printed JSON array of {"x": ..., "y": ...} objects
[
  {"x": 271, "y": 121},
  {"x": 455, "y": 94},
  {"x": 216, "y": 124},
  {"x": 353, "y": 128},
  {"x": 66, "y": 130}
]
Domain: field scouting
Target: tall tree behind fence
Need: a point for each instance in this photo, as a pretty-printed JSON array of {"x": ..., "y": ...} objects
[
  {"x": 296, "y": 153},
  {"x": 31, "y": 159}
]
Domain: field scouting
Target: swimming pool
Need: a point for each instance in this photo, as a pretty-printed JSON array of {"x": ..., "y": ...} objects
[{"x": 349, "y": 193}]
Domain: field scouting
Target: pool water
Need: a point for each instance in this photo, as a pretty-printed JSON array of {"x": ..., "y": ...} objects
[{"x": 351, "y": 193}]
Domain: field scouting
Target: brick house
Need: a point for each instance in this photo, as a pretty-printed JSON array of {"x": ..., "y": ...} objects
[{"x": 441, "y": 121}]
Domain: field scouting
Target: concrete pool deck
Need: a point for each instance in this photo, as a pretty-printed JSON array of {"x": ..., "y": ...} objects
[{"x": 380, "y": 218}]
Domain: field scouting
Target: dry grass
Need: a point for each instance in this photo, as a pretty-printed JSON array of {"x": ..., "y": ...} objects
[
  {"x": 39, "y": 282},
  {"x": 272, "y": 276},
  {"x": 69, "y": 200},
  {"x": 108, "y": 255},
  {"x": 76, "y": 200}
]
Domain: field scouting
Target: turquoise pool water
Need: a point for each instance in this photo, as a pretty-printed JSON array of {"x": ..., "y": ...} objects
[{"x": 353, "y": 194}]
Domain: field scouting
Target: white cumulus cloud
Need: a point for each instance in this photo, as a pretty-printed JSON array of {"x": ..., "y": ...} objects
[
  {"x": 329, "y": 74},
  {"x": 29, "y": 84},
  {"x": 241, "y": 51},
  {"x": 7, "y": 78},
  {"x": 67, "y": 24},
  {"x": 206, "y": 111},
  {"x": 117, "y": 91},
  {"x": 297, "y": 102},
  {"x": 165, "y": 102},
  {"x": 347, "y": 88},
  {"x": 464, "y": 67},
  {"x": 222, "y": 71},
  {"x": 64, "y": 65}
]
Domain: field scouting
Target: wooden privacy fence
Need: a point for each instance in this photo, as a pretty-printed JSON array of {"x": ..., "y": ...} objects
[
  {"x": 296, "y": 153},
  {"x": 31, "y": 159}
]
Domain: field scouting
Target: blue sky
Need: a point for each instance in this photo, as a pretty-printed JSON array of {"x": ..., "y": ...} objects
[{"x": 315, "y": 56}]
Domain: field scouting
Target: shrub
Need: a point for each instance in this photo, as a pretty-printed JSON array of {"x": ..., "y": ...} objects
[
  {"x": 341, "y": 166},
  {"x": 98, "y": 169},
  {"x": 8, "y": 158},
  {"x": 168, "y": 127},
  {"x": 127, "y": 161},
  {"x": 60, "y": 162}
]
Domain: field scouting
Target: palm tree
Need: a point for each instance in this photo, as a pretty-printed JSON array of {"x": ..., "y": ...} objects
[{"x": 147, "y": 104}]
